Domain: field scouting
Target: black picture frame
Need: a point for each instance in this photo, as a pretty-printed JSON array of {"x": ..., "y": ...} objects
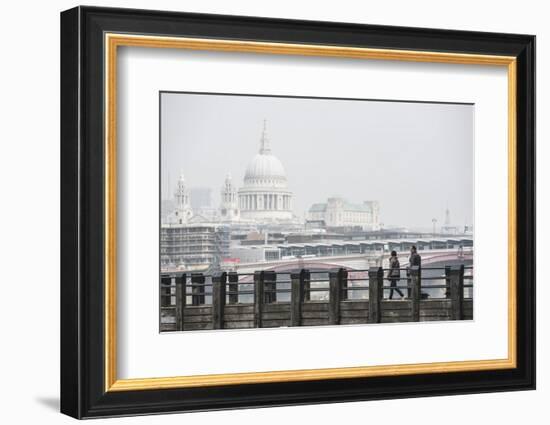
[{"x": 83, "y": 392}]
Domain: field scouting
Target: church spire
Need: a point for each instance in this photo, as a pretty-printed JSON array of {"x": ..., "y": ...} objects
[{"x": 265, "y": 149}]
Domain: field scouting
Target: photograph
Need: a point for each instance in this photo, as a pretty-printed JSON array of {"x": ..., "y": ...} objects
[
  {"x": 289, "y": 210},
  {"x": 280, "y": 211}
]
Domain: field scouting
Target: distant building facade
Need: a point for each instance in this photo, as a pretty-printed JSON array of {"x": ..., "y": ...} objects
[
  {"x": 337, "y": 212},
  {"x": 253, "y": 254},
  {"x": 194, "y": 246}
]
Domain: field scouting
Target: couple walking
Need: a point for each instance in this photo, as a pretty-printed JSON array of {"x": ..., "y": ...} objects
[{"x": 394, "y": 272}]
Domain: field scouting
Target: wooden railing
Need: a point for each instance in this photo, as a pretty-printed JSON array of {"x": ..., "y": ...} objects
[{"x": 313, "y": 298}]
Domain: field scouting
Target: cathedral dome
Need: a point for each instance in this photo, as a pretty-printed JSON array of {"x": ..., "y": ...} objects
[{"x": 265, "y": 167}]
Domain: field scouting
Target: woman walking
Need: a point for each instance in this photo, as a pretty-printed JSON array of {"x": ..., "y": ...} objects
[{"x": 394, "y": 274}]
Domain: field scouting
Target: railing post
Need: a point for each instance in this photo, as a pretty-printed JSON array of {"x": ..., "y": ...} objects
[
  {"x": 165, "y": 291},
  {"x": 219, "y": 281},
  {"x": 233, "y": 279},
  {"x": 197, "y": 291},
  {"x": 455, "y": 276},
  {"x": 306, "y": 282},
  {"x": 343, "y": 284},
  {"x": 335, "y": 293},
  {"x": 296, "y": 296},
  {"x": 376, "y": 293},
  {"x": 447, "y": 283},
  {"x": 180, "y": 301},
  {"x": 258, "y": 298},
  {"x": 270, "y": 286},
  {"x": 415, "y": 282}
]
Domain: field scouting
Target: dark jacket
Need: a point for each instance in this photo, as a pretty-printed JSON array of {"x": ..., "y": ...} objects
[
  {"x": 414, "y": 259},
  {"x": 394, "y": 268}
]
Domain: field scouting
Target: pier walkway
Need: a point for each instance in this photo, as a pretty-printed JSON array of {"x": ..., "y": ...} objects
[{"x": 264, "y": 299}]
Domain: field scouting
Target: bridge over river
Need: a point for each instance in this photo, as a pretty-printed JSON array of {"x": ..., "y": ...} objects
[{"x": 432, "y": 257}]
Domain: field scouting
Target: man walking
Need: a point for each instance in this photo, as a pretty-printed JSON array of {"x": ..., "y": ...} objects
[
  {"x": 414, "y": 260},
  {"x": 394, "y": 274}
]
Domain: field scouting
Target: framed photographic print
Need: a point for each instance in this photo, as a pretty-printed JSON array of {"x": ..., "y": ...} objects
[{"x": 261, "y": 212}]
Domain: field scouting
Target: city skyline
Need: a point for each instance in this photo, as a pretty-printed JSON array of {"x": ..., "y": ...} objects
[{"x": 316, "y": 168}]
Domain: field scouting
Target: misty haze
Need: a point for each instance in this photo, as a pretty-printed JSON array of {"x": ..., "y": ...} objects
[{"x": 416, "y": 159}]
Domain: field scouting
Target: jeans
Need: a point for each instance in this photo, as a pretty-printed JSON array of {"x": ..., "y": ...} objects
[{"x": 393, "y": 284}]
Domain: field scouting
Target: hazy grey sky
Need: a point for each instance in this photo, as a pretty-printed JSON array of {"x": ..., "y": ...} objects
[{"x": 415, "y": 158}]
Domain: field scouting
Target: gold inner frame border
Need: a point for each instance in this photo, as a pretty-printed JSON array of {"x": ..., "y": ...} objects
[{"x": 113, "y": 40}]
